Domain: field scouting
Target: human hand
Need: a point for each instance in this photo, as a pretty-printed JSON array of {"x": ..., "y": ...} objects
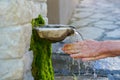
[{"x": 86, "y": 50}]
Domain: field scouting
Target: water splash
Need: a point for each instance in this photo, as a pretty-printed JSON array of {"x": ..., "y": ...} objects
[
  {"x": 79, "y": 67},
  {"x": 75, "y": 38},
  {"x": 79, "y": 34}
]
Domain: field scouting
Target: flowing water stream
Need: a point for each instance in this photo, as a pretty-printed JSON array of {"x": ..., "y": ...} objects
[{"x": 78, "y": 37}]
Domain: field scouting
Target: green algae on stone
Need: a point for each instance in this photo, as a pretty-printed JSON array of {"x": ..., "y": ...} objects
[
  {"x": 38, "y": 22},
  {"x": 42, "y": 64}
]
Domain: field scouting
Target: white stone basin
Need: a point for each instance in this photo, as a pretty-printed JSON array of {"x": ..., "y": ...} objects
[{"x": 55, "y": 34}]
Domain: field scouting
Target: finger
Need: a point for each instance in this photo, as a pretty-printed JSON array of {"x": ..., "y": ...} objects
[
  {"x": 71, "y": 48},
  {"x": 94, "y": 58},
  {"x": 80, "y": 55},
  {"x": 71, "y": 51},
  {"x": 67, "y": 47},
  {"x": 73, "y": 45}
]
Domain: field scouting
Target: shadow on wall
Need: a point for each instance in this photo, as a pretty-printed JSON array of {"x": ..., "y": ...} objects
[{"x": 60, "y": 11}]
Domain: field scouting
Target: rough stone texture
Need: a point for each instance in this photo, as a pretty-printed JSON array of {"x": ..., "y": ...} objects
[
  {"x": 104, "y": 22},
  {"x": 114, "y": 34},
  {"x": 14, "y": 41},
  {"x": 83, "y": 15},
  {"x": 99, "y": 15},
  {"x": 15, "y": 34},
  {"x": 19, "y": 12},
  {"x": 106, "y": 26},
  {"x": 28, "y": 58},
  {"x": 11, "y": 69},
  {"x": 82, "y": 23},
  {"x": 39, "y": 8},
  {"x": 12, "y": 12},
  {"x": 108, "y": 64},
  {"x": 15, "y": 69},
  {"x": 91, "y": 32}
]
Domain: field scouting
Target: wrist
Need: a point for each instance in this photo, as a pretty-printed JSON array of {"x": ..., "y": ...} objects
[
  {"x": 114, "y": 47},
  {"x": 105, "y": 48},
  {"x": 110, "y": 48}
]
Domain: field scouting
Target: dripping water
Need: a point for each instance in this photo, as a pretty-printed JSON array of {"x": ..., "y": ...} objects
[{"x": 78, "y": 36}]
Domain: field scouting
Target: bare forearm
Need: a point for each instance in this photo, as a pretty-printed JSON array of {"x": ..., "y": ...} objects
[{"x": 112, "y": 47}]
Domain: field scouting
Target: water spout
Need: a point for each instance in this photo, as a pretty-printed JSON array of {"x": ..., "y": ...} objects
[{"x": 77, "y": 32}]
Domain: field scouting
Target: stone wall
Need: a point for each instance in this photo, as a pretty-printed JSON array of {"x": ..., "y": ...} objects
[{"x": 15, "y": 34}]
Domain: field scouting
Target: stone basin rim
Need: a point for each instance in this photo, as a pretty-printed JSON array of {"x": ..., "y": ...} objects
[
  {"x": 54, "y": 34},
  {"x": 51, "y": 28}
]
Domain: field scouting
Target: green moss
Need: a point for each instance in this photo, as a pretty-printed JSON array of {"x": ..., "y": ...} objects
[
  {"x": 42, "y": 64},
  {"x": 38, "y": 21}
]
